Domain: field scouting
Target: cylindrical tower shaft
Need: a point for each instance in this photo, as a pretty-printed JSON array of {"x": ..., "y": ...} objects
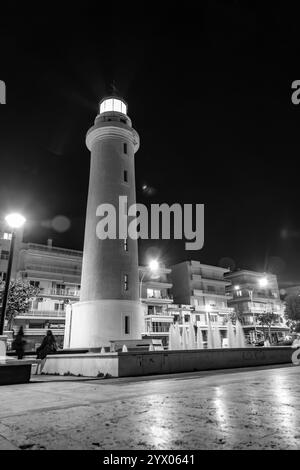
[{"x": 109, "y": 307}]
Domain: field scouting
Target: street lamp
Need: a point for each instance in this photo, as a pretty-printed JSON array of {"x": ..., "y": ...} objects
[
  {"x": 263, "y": 282},
  {"x": 153, "y": 267},
  {"x": 14, "y": 221}
]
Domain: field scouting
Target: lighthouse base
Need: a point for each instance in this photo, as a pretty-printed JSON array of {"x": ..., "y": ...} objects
[{"x": 94, "y": 323}]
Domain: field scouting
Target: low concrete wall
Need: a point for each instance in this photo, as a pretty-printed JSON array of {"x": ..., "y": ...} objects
[
  {"x": 165, "y": 362},
  {"x": 88, "y": 364}
]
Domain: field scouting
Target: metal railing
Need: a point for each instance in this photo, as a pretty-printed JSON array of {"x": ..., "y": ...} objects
[
  {"x": 43, "y": 313},
  {"x": 62, "y": 292},
  {"x": 53, "y": 249}
]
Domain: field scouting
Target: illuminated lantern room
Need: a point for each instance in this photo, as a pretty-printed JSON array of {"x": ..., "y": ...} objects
[{"x": 113, "y": 104}]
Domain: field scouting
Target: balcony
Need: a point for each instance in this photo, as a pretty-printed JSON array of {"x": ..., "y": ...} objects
[
  {"x": 207, "y": 293},
  {"x": 55, "y": 250},
  {"x": 40, "y": 331},
  {"x": 158, "y": 299},
  {"x": 157, "y": 329},
  {"x": 43, "y": 314},
  {"x": 73, "y": 271},
  {"x": 59, "y": 293}
]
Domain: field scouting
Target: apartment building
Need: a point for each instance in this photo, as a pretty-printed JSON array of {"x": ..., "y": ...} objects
[
  {"x": 56, "y": 272},
  {"x": 155, "y": 293},
  {"x": 253, "y": 294},
  {"x": 202, "y": 288}
]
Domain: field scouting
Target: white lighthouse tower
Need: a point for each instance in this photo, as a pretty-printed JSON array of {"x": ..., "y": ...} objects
[{"x": 109, "y": 307}]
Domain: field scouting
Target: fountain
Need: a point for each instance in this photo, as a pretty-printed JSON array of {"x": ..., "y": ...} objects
[
  {"x": 217, "y": 338},
  {"x": 239, "y": 335},
  {"x": 199, "y": 339},
  {"x": 184, "y": 339},
  {"x": 210, "y": 337},
  {"x": 231, "y": 335},
  {"x": 187, "y": 340},
  {"x": 191, "y": 337}
]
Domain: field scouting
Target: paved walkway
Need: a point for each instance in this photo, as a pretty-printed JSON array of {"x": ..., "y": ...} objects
[{"x": 236, "y": 409}]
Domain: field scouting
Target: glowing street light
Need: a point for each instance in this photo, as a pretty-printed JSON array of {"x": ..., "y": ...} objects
[
  {"x": 236, "y": 287},
  {"x": 263, "y": 282},
  {"x": 153, "y": 266},
  {"x": 14, "y": 221}
]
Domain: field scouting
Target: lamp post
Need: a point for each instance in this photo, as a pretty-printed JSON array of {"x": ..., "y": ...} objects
[
  {"x": 14, "y": 221},
  {"x": 152, "y": 267},
  {"x": 250, "y": 292},
  {"x": 263, "y": 282}
]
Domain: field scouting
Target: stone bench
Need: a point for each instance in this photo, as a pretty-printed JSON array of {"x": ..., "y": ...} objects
[{"x": 14, "y": 371}]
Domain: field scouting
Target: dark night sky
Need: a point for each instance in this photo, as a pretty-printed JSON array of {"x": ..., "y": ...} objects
[{"x": 209, "y": 91}]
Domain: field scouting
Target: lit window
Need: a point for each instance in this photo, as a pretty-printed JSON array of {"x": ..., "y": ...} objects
[
  {"x": 239, "y": 293},
  {"x": 125, "y": 176},
  {"x": 125, "y": 281},
  {"x": 125, "y": 244},
  {"x": 127, "y": 324},
  {"x": 153, "y": 293},
  {"x": 7, "y": 236}
]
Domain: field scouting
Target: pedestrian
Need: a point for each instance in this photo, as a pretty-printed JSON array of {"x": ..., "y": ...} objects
[
  {"x": 18, "y": 343},
  {"x": 48, "y": 346}
]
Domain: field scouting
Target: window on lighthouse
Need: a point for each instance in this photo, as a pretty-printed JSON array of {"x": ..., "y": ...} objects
[
  {"x": 126, "y": 282},
  {"x": 113, "y": 104},
  {"x": 127, "y": 324},
  {"x": 125, "y": 148},
  {"x": 125, "y": 175}
]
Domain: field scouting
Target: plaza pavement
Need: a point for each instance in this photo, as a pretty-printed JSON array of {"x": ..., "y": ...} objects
[{"x": 253, "y": 408}]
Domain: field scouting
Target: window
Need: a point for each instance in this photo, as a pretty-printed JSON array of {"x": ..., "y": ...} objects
[
  {"x": 153, "y": 293},
  {"x": 7, "y": 236},
  {"x": 239, "y": 293},
  {"x": 125, "y": 244},
  {"x": 125, "y": 148},
  {"x": 2, "y": 276},
  {"x": 125, "y": 281},
  {"x": 56, "y": 307},
  {"x": 35, "y": 283},
  {"x": 127, "y": 324},
  {"x": 210, "y": 288},
  {"x": 4, "y": 254},
  {"x": 125, "y": 176}
]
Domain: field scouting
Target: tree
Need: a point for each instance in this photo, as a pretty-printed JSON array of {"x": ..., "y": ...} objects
[
  {"x": 292, "y": 309},
  {"x": 19, "y": 295},
  {"x": 267, "y": 319}
]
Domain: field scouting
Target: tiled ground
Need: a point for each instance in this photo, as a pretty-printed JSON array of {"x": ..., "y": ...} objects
[{"x": 243, "y": 409}]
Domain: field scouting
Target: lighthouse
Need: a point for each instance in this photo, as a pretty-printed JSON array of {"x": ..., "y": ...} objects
[{"x": 109, "y": 306}]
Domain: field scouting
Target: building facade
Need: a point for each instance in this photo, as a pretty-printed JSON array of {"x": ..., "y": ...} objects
[
  {"x": 199, "y": 290},
  {"x": 253, "y": 296},
  {"x": 55, "y": 272},
  {"x": 156, "y": 298}
]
